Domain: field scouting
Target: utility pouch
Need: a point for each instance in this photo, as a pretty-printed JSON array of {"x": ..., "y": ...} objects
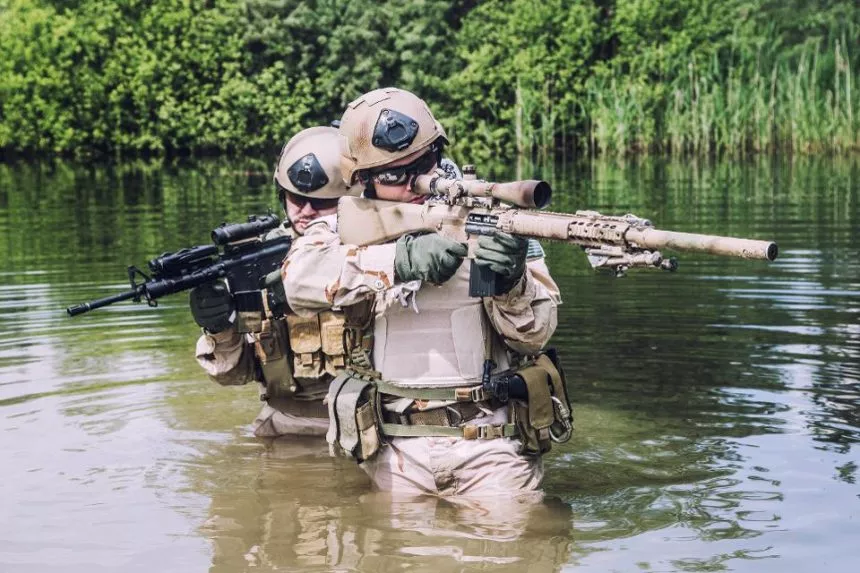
[
  {"x": 306, "y": 346},
  {"x": 358, "y": 334},
  {"x": 270, "y": 348},
  {"x": 546, "y": 416},
  {"x": 353, "y": 416}
]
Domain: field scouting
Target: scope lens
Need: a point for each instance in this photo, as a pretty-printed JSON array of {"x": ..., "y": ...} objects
[{"x": 542, "y": 194}]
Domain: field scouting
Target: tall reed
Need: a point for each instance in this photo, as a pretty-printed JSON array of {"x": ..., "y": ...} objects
[{"x": 757, "y": 103}]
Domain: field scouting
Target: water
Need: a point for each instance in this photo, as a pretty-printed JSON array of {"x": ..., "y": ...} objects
[{"x": 717, "y": 408}]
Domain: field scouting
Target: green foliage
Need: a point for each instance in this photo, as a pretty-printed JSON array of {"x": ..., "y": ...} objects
[
  {"x": 740, "y": 88},
  {"x": 525, "y": 66},
  {"x": 508, "y": 78},
  {"x": 344, "y": 48}
]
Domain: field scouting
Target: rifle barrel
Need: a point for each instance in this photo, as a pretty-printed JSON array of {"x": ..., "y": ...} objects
[{"x": 92, "y": 305}]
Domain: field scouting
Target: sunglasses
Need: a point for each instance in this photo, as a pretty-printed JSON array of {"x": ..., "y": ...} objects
[
  {"x": 401, "y": 174},
  {"x": 316, "y": 204}
]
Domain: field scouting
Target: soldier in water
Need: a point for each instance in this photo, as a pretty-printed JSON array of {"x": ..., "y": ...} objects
[
  {"x": 415, "y": 414},
  {"x": 293, "y": 358}
]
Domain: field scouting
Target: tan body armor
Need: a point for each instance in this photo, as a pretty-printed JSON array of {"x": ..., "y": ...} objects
[
  {"x": 427, "y": 380},
  {"x": 442, "y": 345}
]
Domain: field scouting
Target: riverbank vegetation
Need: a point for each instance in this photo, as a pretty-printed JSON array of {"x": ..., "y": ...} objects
[{"x": 538, "y": 80}]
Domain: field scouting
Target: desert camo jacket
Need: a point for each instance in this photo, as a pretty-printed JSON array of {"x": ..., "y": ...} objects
[{"x": 321, "y": 273}]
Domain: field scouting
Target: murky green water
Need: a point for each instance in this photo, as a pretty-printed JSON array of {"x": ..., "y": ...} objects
[{"x": 718, "y": 408}]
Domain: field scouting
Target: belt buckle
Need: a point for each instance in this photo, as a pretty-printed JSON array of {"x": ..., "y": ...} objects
[
  {"x": 482, "y": 432},
  {"x": 489, "y": 432},
  {"x": 477, "y": 394}
]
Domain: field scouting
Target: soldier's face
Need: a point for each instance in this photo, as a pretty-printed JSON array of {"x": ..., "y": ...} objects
[
  {"x": 403, "y": 192},
  {"x": 302, "y": 210}
]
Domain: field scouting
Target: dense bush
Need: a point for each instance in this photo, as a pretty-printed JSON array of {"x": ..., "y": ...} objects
[{"x": 507, "y": 77}]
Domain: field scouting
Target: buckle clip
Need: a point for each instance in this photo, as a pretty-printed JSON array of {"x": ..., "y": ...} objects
[
  {"x": 490, "y": 432},
  {"x": 471, "y": 394},
  {"x": 483, "y": 432},
  {"x": 479, "y": 394},
  {"x": 561, "y": 413}
]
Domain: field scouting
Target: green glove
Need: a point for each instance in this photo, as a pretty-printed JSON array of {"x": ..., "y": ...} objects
[
  {"x": 505, "y": 255},
  {"x": 429, "y": 257},
  {"x": 212, "y": 306}
]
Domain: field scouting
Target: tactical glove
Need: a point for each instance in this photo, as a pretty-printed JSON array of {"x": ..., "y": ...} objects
[
  {"x": 212, "y": 306},
  {"x": 429, "y": 257},
  {"x": 505, "y": 255}
]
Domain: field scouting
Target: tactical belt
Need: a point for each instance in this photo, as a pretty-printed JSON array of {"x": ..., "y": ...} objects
[
  {"x": 451, "y": 415},
  {"x": 459, "y": 394},
  {"x": 445, "y": 421},
  {"x": 467, "y": 432}
]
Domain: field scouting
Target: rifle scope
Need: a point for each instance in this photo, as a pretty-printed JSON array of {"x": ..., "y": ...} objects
[
  {"x": 529, "y": 194},
  {"x": 256, "y": 226},
  {"x": 183, "y": 261}
]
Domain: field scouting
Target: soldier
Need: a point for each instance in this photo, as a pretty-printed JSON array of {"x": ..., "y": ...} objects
[
  {"x": 293, "y": 358},
  {"x": 416, "y": 433}
]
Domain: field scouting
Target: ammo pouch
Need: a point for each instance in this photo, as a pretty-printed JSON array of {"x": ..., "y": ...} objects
[
  {"x": 353, "y": 416},
  {"x": 546, "y": 416},
  {"x": 317, "y": 344}
]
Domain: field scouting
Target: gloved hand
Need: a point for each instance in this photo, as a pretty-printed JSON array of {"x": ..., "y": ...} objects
[
  {"x": 429, "y": 257},
  {"x": 212, "y": 306},
  {"x": 505, "y": 255}
]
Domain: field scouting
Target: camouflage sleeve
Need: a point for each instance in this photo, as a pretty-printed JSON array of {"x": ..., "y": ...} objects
[
  {"x": 226, "y": 357},
  {"x": 320, "y": 272},
  {"x": 526, "y": 316}
]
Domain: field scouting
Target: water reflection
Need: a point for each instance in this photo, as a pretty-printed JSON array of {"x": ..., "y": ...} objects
[
  {"x": 262, "y": 516},
  {"x": 716, "y": 408}
]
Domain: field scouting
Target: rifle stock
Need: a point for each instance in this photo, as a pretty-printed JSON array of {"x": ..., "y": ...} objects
[{"x": 373, "y": 222}]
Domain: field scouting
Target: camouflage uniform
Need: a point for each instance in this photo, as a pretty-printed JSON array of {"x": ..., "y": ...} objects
[{"x": 428, "y": 336}]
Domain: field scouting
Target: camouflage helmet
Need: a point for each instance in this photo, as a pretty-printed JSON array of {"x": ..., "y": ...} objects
[
  {"x": 308, "y": 166},
  {"x": 383, "y": 126}
]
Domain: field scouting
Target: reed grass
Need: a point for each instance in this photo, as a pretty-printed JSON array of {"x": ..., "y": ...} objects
[{"x": 803, "y": 106}]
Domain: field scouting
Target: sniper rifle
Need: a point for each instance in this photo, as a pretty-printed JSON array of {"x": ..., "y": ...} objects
[{"x": 462, "y": 209}]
